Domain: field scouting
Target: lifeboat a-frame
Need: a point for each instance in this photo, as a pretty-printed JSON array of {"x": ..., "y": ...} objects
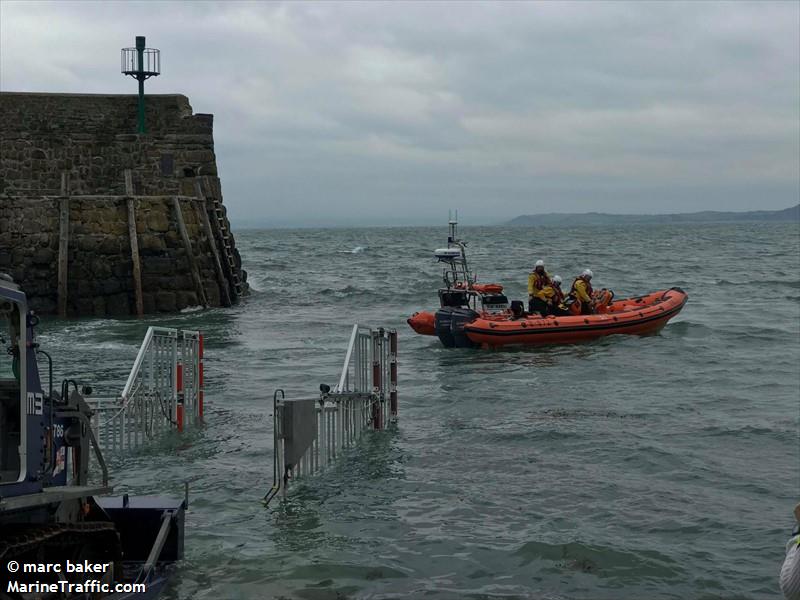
[{"x": 462, "y": 300}]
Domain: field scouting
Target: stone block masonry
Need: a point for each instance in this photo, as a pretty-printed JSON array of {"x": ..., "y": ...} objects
[{"x": 76, "y": 182}]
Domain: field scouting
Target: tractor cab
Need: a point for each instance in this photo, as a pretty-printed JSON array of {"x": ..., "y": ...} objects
[
  {"x": 12, "y": 418},
  {"x": 44, "y": 437},
  {"x": 21, "y": 399},
  {"x": 49, "y": 511}
]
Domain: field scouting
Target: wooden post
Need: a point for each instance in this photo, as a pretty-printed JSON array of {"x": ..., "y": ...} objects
[
  {"x": 222, "y": 281},
  {"x": 187, "y": 244},
  {"x": 134, "y": 238},
  {"x": 63, "y": 244}
]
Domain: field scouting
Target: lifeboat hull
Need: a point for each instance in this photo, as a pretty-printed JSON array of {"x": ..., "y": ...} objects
[
  {"x": 634, "y": 316},
  {"x": 423, "y": 322}
]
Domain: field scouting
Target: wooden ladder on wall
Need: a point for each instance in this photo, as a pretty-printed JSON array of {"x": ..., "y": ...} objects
[{"x": 227, "y": 249}]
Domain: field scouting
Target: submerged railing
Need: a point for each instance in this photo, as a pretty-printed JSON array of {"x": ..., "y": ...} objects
[
  {"x": 310, "y": 434},
  {"x": 164, "y": 391}
]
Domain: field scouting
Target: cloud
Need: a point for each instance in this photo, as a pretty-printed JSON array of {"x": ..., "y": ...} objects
[{"x": 395, "y": 112}]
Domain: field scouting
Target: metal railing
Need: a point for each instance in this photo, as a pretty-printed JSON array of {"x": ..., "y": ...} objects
[
  {"x": 310, "y": 434},
  {"x": 164, "y": 391}
]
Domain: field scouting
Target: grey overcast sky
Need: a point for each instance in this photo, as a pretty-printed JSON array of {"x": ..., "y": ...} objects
[{"x": 393, "y": 113}]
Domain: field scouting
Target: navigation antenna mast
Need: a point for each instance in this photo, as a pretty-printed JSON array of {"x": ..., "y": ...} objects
[
  {"x": 455, "y": 255},
  {"x": 141, "y": 63},
  {"x": 453, "y": 224}
]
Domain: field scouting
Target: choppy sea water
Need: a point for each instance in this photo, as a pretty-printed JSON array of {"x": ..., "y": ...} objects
[{"x": 629, "y": 467}]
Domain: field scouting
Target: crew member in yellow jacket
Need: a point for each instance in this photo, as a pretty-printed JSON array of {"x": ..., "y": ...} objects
[
  {"x": 582, "y": 291},
  {"x": 555, "y": 297},
  {"x": 537, "y": 280}
]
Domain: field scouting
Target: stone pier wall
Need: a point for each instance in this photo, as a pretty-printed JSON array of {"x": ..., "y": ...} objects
[
  {"x": 99, "y": 276},
  {"x": 88, "y": 142}
]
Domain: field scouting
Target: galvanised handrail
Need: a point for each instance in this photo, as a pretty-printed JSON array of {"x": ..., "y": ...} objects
[
  {"x": 137, "y": 364},
  {"x": 310, "y": 434},
  {"x": 164, "y": 387},
  {"x": 358, "y": 358}
]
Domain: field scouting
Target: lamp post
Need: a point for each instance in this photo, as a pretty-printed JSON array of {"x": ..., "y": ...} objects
[{"x": 141, "y": 63}]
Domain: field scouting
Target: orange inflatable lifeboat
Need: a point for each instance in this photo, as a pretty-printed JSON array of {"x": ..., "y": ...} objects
[{"x": 639, "y": 315}]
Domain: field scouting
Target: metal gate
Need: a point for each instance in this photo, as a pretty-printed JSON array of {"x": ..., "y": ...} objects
[
  {"x": 164, "y": 391},
  {"x": 310, "y": 434}
]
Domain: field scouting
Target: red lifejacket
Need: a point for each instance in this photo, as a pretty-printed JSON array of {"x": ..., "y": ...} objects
[{"x": 540, "y": 280}]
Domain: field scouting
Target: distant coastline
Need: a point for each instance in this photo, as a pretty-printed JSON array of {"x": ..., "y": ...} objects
[{"x": 709, "y": 216}]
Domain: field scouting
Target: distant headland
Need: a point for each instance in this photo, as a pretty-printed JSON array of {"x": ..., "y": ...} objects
[{"x": 708, "y": 216}]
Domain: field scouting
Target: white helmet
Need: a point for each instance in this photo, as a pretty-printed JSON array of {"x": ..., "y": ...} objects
[
  {"x": 539, "y": 263},
  {"x": 557, "y": 279},
  {"x": 587, "y": 273}
]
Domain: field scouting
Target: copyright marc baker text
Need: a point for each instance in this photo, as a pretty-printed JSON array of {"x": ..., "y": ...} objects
[
  {"x": 89, "y": 586},
  {"x": 67, "y": 567}
]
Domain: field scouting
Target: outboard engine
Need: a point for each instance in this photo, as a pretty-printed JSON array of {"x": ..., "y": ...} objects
[
  {"x": 450, "y": 319},
  {"x": 449, "y": 324}
]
